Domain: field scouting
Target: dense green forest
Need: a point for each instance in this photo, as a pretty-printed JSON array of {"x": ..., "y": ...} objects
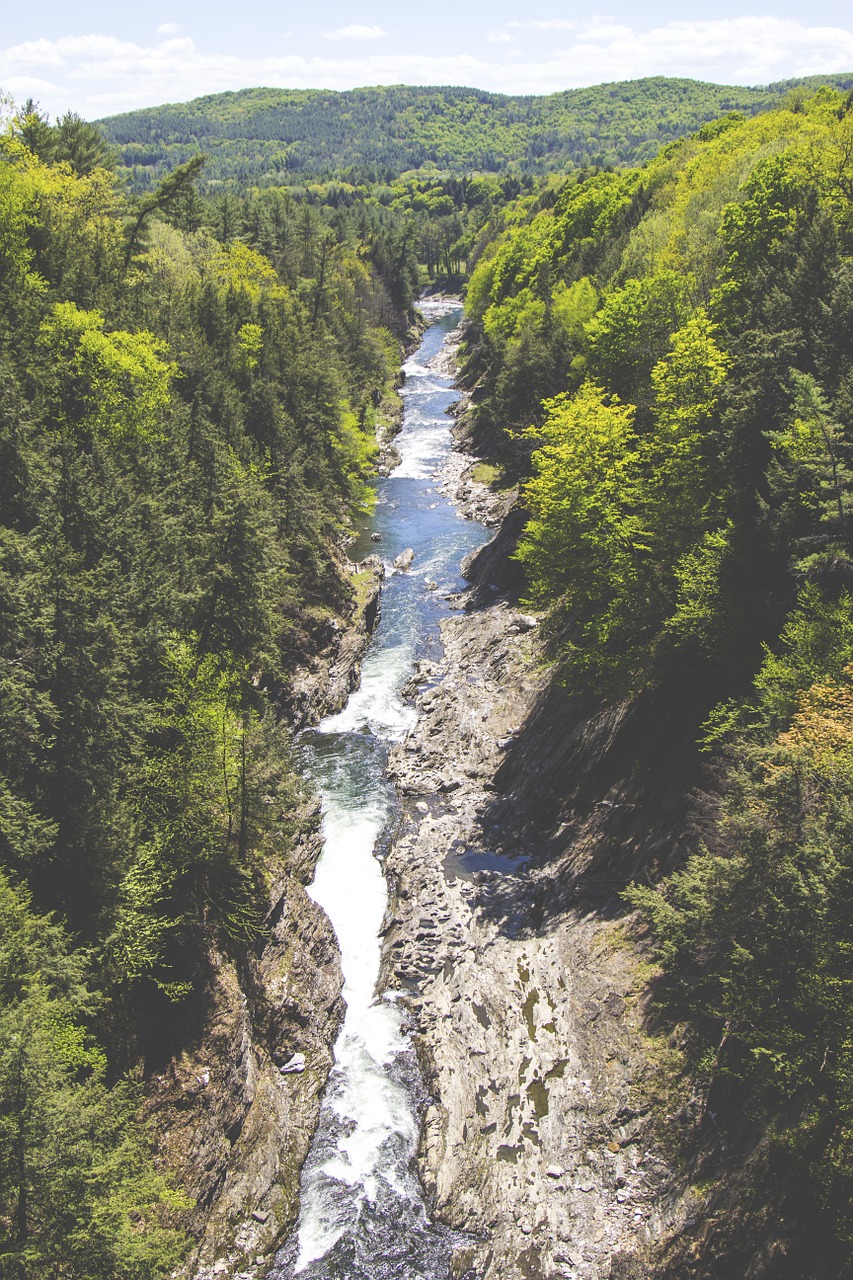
[
  {"x": 192, "y": 376},
  {"x": 664, "y": 358},
  {"x": 275, "y": 137},
  {"x": 187, "y": 430}
]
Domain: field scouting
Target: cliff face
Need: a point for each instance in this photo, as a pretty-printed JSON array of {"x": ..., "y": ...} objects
[
  {"x": 562, "y": 1132},
  {"x": 233, "y": 1110},
  {"x": 526, "y": 1008},
  {"x": 233, "y": 1127}
]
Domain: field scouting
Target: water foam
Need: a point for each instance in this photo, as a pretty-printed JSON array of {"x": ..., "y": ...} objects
[{"x": 362, "y": 1214}]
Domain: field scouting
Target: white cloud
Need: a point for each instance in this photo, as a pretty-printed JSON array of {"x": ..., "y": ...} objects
[
  {"x": 543, "y": 24},
  {"x": 355, "y": 31},
  {"x": 35, "y": 53},
  {"x": 606, "y": 31},
  {"x": 499, "y": 37},
  {"x": 23, "y": 87},
  {"x": 169, "y": 29},
  {"x": 99, "y": 74}
]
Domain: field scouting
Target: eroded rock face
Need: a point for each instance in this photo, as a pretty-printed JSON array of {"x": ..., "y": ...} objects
[
  {"x": 235, "y": 1112},
  {"x": 526, "y": 1025},
  {"x": 234, "y": 1126},
  {"x": 525, "y": 1008},
  {"x": 322, "y": 682}
]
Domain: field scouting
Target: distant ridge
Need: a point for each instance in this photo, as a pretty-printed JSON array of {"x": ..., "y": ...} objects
[{"x": 270, "y": 137}]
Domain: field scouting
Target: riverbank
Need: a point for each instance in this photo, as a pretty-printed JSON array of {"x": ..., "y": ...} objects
[
  {"x": 362, "y": 1213},
  {"x": 524, "y": 1002}
]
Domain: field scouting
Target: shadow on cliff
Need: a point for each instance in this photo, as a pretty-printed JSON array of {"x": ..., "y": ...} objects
[{"x": 594, "y": 795}]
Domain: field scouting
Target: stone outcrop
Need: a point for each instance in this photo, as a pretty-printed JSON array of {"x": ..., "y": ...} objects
[
  {"x": 526, "y": 1019},
  {"x": 329, "y": 664},
  {"x": 524, "y": 999},
  {"x": 234, "y": 1123}
]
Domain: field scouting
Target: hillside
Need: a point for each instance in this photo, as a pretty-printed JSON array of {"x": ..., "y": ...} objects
[
  {"x": 187, "y": 438},
  {"x": 619, "y": 849},
  {"x": 270, "y": 137},
  {"x": 679, "y": 338}
]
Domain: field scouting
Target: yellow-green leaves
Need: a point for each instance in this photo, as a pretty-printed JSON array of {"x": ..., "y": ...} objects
[
  {"x": 814, "y": 461},
  {"x": 687, "y": 381},
  {"x": 585, "y": 541},
  {"x": 515, "y": 315},
  {"x": 686, "y": 384},
  {"x": 54, "y": 225},
  {"x": 239, "y": 268},
  {"x": 632, "y": 329},
  {"x": 699, "y": 605},
  {"x": 115, "y": 386},
  {"x": 250, "y": 341},
  {"x": 574, "y": 304},
  {"x": 16, "y": 213},
  {"x": 618, "y": 521}
]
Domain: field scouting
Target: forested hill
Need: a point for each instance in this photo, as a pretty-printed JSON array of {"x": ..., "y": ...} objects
[
  {"x": 271, "y": 136},
  {"x": 187, "y": 429}
]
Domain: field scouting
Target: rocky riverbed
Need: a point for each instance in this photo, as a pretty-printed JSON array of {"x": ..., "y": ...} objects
[
  {"x": 519, "y": 825},
  {"x": 525, "y": 1008}
]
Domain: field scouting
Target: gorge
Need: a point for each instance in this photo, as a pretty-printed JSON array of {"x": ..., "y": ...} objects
[
  {"x": 426, "y": 795},
  {"x": 362, "y": 1214}
]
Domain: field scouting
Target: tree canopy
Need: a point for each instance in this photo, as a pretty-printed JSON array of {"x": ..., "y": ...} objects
[{"x": 681, "y": 430}]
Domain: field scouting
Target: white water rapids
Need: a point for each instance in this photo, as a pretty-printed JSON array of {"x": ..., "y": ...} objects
[{"x": 362, "y": 1212}]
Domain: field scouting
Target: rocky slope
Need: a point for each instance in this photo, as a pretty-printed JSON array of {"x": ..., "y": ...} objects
[
  {"x": 234, "y": 1114},
  {"x": 520, "y": 823},
  {"x": 330, "y": 664},
  {"x": 563, "y": 1133}
]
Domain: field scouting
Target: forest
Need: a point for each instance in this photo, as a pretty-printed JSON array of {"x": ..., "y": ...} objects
[
  {"x": 276, "y": 137},
  {"x": 196, "y": 356},
  {"x": 662, "y": 358},
  {"x": 187, "y": 431}
]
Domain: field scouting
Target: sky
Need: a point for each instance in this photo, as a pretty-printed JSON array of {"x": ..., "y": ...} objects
[{"x": 98, "y": 58}]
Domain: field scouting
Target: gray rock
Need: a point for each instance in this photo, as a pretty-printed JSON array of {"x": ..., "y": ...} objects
[
  {"x": 404, "y": 560},
  {"x": 294, "y": 1065}
]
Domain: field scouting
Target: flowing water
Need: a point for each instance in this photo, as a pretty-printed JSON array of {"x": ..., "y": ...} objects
[{"x": 362, "y": 1213}]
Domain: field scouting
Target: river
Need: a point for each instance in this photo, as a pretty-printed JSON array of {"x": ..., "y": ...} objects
[{"x": 362, "y": 1210}]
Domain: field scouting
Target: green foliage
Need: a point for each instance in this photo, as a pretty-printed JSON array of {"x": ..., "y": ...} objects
[
  {"x": 112, "y": 385},
  {"x": 258, "y": 136},
  {"x": 689, "y": 512},
  {"x": 815, "y": 474},
  {"x": 77, "y": 1189},
  {"x": 186, "y": 437},
  {"x": 621, "y": 530},
  {"x": 754, "y": 938},
  {"x": 699, "y": 614},
  {"x": 706, "y": 284},
  {"x": 631, "y": 330},
  {"x": 584, "y": 542}
]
